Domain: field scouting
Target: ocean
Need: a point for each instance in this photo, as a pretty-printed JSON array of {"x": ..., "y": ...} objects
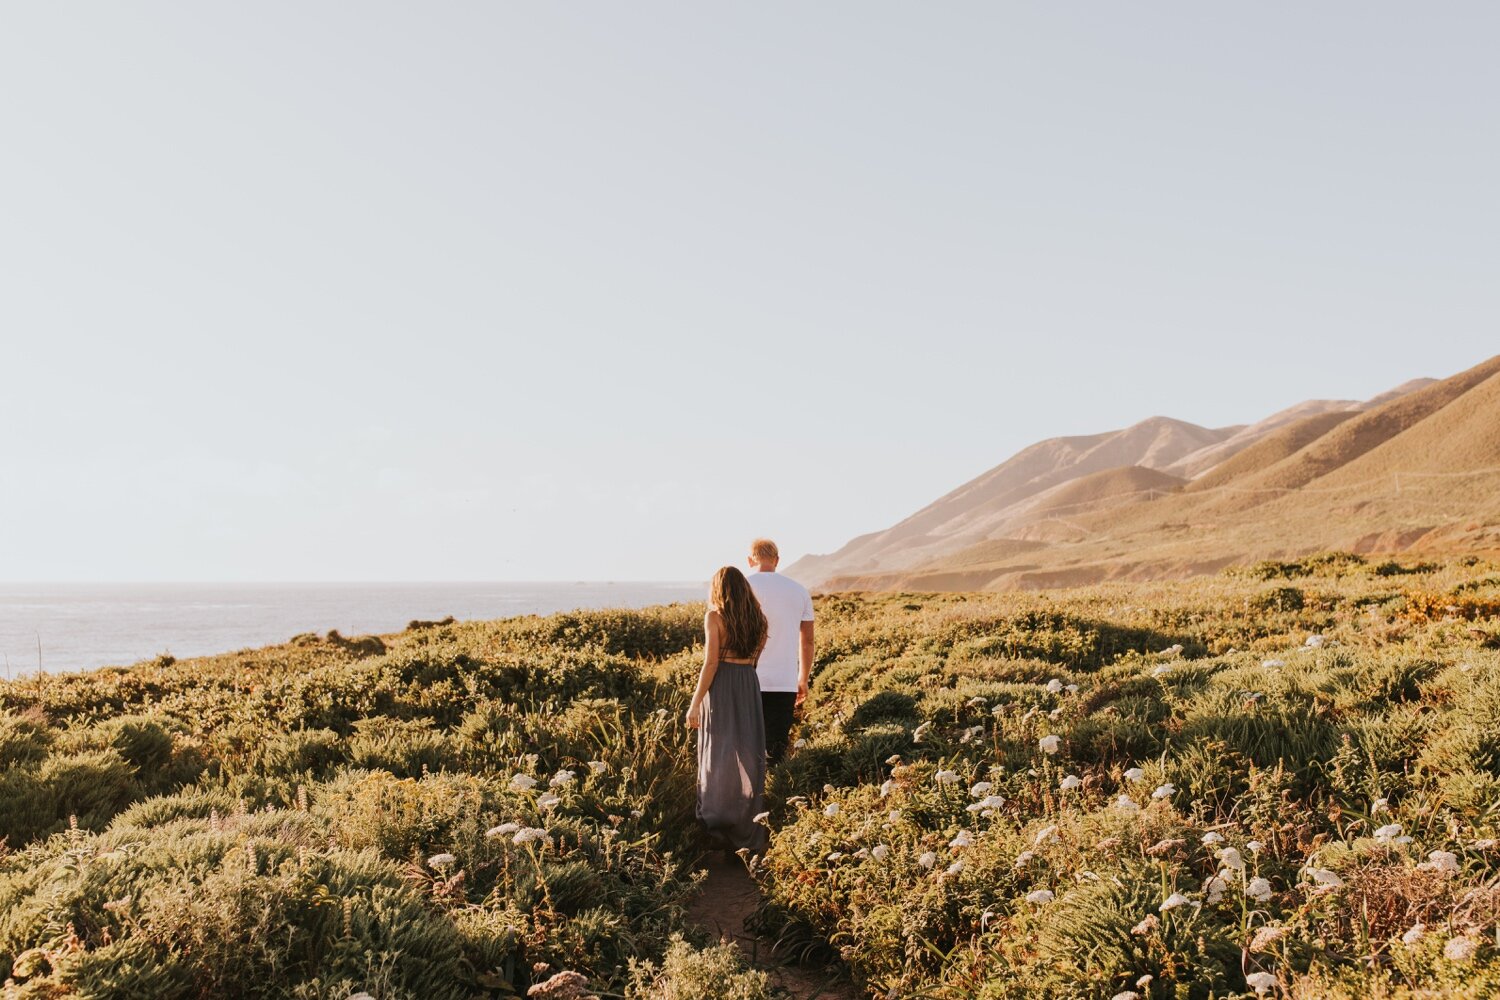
[{"x": 76, "y": 626}]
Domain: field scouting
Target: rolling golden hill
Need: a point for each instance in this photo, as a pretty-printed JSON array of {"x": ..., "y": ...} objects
[{"x": 1417, "y": 468}]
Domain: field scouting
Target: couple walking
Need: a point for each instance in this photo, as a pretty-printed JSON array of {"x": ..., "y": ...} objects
[{"x": 757, "y": 662}]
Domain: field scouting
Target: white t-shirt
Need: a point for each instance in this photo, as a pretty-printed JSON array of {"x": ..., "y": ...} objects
[{"x": 786, "y": 604}]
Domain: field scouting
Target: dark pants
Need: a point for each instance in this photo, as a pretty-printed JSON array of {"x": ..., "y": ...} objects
[{"x": 778, "y": 708}]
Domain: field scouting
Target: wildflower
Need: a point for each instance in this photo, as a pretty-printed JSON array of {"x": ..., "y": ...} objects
[
  {"x": 522, "y": 782},
  {"x": 1325, "y": 878},
  {"x": 598, "y": 766},
  {"x": 1134, "y": 774},
  {"x": 977, "y": 702},
  {"x": 835, "y": 856},
  {"x": 1173, "y": 901},
  {"x": 986, "y": 806},
  {"x": 1414, "y": 934},
  {"x": 1022, "y": 859},
  {"x": 1267, "y": 936},
  {"x": 1215, "y": 887},
  {"x": 1145, "y": 980},
  {"x": 980, "y": 788},
  {"x": 1254, "y": 846},
  {"x": 1047, "y": 833},
  {"x": 1049, "y": 744},
  {"x": 970, "y": 733},
  {"x": 893, "y": 759},
  {"x": 1387, "y": 834},
  {"x": 831, "y": 809},
  {"x": 503, "y": 830},
  {"x": 548, "y": 801},
  {"x": 962, "y": 840},
  {"x": 1055, "y": 713},
  {"x": 1460, "y": 949},
  {"x": 1380, "y": 805},
  {"x": 1260, "y": 981},
  {"x": 1166, "y": 846},
  {"x": 636, "y": 814},
  {"x": 955, "y": 868},
  {"x": 562, "y": 778},
  {"x": 880, "y": 852},
  {"x": 886, "y": 786},
  {"x": 1164, "y": 791},
  {"x": 1054, "y": 686},
  {"x": 1040, "y": 897},
  {"x": 530, "y": 834},
  {"x": 1213, "y": 838},
  {"x": 894, "y": 815},
  {"x": 1229, "y": 857},
  {"x": 1172, "y": 650},
  {"x": 1259, "y": 889},
  {"x": 1440, "y": 861},
  {"x": 998, "y": 711},
  {"x": 927, "y": 860},
  {"x": 1272, "y": 664},
  {"x": 761, "y": 817},
  {"x": 361, "y": 995},
  {"x": 799, "y": 743},
  {"x": 1160, "y": 670},
  {"x": 1070, "y": 782},
  {"x": 1127, "y": 805},
  {"x": 1126, "y": 995},
  {"x": 1145, "y": 927},
  {"x": 946, "y": 777},
  {"x": 921, "y": 732},
  {"x": 441, "y": 861},
  {"x": 1314, "y": 641}
]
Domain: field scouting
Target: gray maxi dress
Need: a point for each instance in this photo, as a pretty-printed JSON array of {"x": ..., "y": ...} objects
[{"x": 732, "y": 759}]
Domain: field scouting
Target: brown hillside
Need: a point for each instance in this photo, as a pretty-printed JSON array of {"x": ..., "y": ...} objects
[{"x": 1270, "y": 450}]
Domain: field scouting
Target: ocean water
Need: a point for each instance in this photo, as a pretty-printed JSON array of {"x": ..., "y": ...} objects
[{"x": 77, "y": 626}]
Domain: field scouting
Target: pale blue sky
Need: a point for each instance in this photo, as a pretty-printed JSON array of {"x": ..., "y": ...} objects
[{"x": 520, "y": 291}]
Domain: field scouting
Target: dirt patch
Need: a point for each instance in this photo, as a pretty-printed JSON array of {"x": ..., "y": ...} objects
[{"x": 728, "y": 899}]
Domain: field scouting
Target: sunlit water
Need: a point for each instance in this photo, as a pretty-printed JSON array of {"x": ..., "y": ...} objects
[{"x": 83, "y": 625}]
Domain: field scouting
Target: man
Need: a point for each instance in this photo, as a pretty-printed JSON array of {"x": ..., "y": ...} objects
[{"x": 785, "y": 666}]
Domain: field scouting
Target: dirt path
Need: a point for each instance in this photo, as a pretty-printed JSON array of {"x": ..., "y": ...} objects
[{"x": 729, "y": 896}]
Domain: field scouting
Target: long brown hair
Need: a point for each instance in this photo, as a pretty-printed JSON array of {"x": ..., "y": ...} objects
[{"x": 744, "y": 622}]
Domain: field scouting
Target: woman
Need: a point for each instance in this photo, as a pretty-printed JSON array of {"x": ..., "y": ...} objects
[{"x": 726, "y": 711}]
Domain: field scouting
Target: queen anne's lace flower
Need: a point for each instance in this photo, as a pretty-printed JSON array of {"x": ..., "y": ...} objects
[
  {"x": 1165, "y": 791},
  {"x": 1134, "y": 774},
  {"x": 1049, "y": 744},
  {"x": 441, "y": 860},
  {"x": 522, "y": 782},
  {"x": 1260, "y": 982},
  {"x": 1259, "y": 889},
  {"x": 1173, "y": 901},
  {"x": 1040, "y": 897},
  {"x": 1070, "y": 782},
  {"x": 1440, "y": 861},
  {"x": 927, "y": 860}
]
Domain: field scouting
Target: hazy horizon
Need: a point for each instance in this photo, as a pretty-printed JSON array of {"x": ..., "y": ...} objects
[{"x": 478, "y": 293}]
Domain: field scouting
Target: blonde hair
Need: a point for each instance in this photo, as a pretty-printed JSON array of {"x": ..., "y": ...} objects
[
  {"x": 764, "y": 548},
  {"x": 744, "y": 622}
]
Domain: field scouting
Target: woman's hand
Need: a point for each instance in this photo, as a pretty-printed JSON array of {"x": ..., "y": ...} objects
[{"x": 694, "y": 714}]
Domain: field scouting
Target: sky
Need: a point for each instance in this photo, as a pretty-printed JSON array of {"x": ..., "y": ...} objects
[{"x": 563, "y": 291}]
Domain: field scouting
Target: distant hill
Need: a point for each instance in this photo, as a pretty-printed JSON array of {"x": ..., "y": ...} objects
[{"x": 1417, "y": 467}]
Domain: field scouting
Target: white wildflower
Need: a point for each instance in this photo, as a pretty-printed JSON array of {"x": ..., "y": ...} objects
[
  {"x": 1380, "y": 805},
  {"x": 522, "y": 782},
  {"x": 1160, "y": 670},
  {"x": 548, "y": 801},
  {"x": 831, "y": 809},
  {"x": 1040, "y": 897},
  {"x": 1460, "y": 949},
  {"x": 894, "y": 816},
  {"x": 962, "y": 840},
  {"x": 1387, "y": 834},
  {"x": 1260, "y": 982},
  {"x": 1440, "y": 861},
  {"x": 1272, "y": 664},
  {"x": 1055, "y": 686},
  {"x": 441, "y": 860},
  {"x": 1126, "y": 995},
  {"x": 1173, "y": 901},
  {"x": 561, "y": 778},
  {"x": 885, "y": 787},
  {"x": 799, "y": 743},
  {"x": 880, "y": 852},
  {"x": 1049, "y": 744},
  {"x": 1314, "y": 641},
  {"x": 977, "y": 701},
  {"x": 1215, "y": 887},
  {"x": 503, "y": 830},
  {"x": 1127, "y": 805},
  {"x": 598, "y": 766},
  {"x": 1324, "y": 877},
  {"x": 1229, "y": 857},
  {"x": 980, "y": 789},
  {"x": 1213, "y": 838},
  {"x": 529, "y": 834},
  {"x": 761, "y": 817},
  {"x": 1414, "y": 934},
  {"x": 1259, "y": 889},
  {"x": 946, "y": 777},
  {"x": 955, "y": 868},
  {"x": 1070, "y": 782},
  {"x": 1047, "y": 833},
  {"x": 1071, "y": 689},
  {"x": 1134, "y": 774},
  {"x": 920, "y": 733},
  {"x": 1165, "y": 791},
  {"x": 1255, "y": 846},
  {"x": 927, "y": 860},
  {"x": 1022, "y": 859}
]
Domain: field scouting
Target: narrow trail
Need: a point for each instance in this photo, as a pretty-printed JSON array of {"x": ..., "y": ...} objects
[{"x": 728, "y": 899}]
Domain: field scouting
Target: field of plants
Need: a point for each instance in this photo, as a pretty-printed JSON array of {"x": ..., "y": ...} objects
[{"x": 1283, "y": 781}]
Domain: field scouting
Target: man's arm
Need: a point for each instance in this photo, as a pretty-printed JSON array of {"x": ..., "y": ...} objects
[{"x": 804, "y": 662}]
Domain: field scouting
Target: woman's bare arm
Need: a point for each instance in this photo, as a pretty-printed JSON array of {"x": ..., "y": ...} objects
[{"x": 712, "y": 625}]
